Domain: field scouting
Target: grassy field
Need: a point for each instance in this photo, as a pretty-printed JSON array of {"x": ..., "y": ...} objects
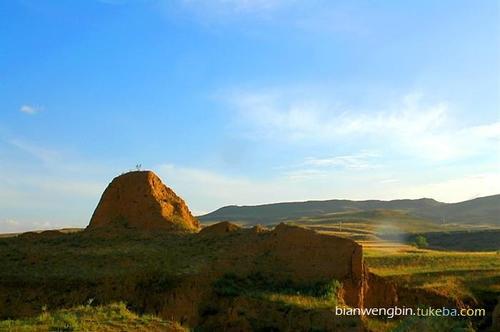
[
  {"x": 109, "y": 318},
  {"x": 81, "y": 257},
  {"x": 319, "y": 295},
  {"x": 137, "y": 268},
  {"x": 459, "y": 275},
  {"x": 466, "y": 276},
  {"x": 145, "y": 271},
  {"x": 107, "y": 268},
  {"x": 380, "y": 223}
]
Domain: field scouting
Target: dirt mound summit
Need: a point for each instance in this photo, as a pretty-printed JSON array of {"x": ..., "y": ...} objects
[
  {"x": 140, "y": 200},
  {"x": 220, "y": 228}
]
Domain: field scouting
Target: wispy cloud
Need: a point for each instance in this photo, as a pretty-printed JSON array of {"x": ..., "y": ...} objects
[
  {"x": 29, "y": 109},
  {"x": 322, "y": 167},
  {"x": 388, "y": 180},
  {"x": 218, "y": 7},
  {"x": 9, "y": 226},
  {"x": 360, "y": 161},
  {"x": 41, "y": 153},
  {"x": 50, "y": 174},
  {"x": 50, "y": 186},
  {"x": 456, "y": 189},
  {"x": 205, "y": 190},
  {"x": 15, "y": 226},
  {"x": 300, "y": 16},
  {"x": 490, "y": 131},
  {"x": 285, "y": 115},
  {"x": 306, "y": 174},
  {"x": 409, "y": 126}
]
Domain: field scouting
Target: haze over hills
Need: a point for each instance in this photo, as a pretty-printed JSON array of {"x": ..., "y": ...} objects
[{"x": 483, "y": 210}]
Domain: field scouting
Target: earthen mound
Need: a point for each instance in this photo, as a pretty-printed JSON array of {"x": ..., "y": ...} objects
[
  {"x": 28, "y": 235},
  {"x": 140, "y": 200},
  {"x": 50, "y": 234},
  {"x": 260, "y": 229},
  {"x": 308, "y": 255},
  {"x": 220, "y": 228}
]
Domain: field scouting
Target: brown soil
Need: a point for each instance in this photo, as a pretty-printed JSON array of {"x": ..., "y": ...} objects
[
  {"x": 220, "y": 228},
  {"x": 140, "y": 200},
  {"x": 285, "y": 254},
  {"x": 380, "y": 292}
]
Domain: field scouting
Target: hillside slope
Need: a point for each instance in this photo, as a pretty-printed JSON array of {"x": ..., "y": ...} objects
[{"x": 484, "y": 210}]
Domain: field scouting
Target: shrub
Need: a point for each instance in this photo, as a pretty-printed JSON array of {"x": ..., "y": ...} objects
[{"x": 421, "y": 241}]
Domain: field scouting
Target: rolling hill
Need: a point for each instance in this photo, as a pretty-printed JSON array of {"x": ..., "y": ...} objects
[{"x": 484, "y": 210}]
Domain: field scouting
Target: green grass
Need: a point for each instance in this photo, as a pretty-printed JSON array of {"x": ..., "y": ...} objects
[
  {"x": 401, "y": 226},
  {"x": 382, "y": 222},
  {"x": 113, "y": 267},
  {"x": 455, "y": 274},
  {"x": 375, "y": 221},
  {"x": 128, "y": 266},
  {"x": 482, "y": 210},
  {"x": 267, "y": 304},
  {"x": 322, "y": 294},
  {"x": 113, "y": 317},
  {"x": 418, "y": 324},
  {"x": 430, "y": 261},
  {"x": 80, "y": 256}
]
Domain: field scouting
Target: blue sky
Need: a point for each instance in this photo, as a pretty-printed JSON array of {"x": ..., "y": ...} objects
[{"x": 245, "y": 102}]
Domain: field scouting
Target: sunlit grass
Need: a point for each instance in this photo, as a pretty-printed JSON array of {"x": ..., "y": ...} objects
[
  {"x": 113, "y": 317},
  {"x": 458, "y": 275},
  {"x": 300, "y": 301},
  {"x": 391, "y": 263}
]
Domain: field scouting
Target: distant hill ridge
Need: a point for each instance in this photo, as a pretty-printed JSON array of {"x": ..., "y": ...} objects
[{"x": 483, "y": 210}]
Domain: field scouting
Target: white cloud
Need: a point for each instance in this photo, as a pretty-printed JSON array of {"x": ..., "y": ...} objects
[
  {"x": 358, "y": 161},
  {"x": 41, "y": 153},
  {"x": 491, "y": 131},
  {"x": 388, "y": 180},
  {"x": 315, "y": 168},
  {"x": 38, "y": 201},
  {"x": 28, "y": 109},
  {"x": 16, "y": 226},
  {"x": 53, "y": 186},
  {"x": 10, "y": 222},
  {"x": 206, "y": 190},
  {"x": 58, "y": 160},
  {"x": 9, "y": 226},
  {"x": 299, "y": 16},
  {"x": 408, "y": 127},
  {"x": 456, "y": 189},
  {"x": 306, "y": 174}
]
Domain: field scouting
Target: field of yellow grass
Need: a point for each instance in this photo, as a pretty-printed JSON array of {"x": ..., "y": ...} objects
[{"x": 460, "y": 275}]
